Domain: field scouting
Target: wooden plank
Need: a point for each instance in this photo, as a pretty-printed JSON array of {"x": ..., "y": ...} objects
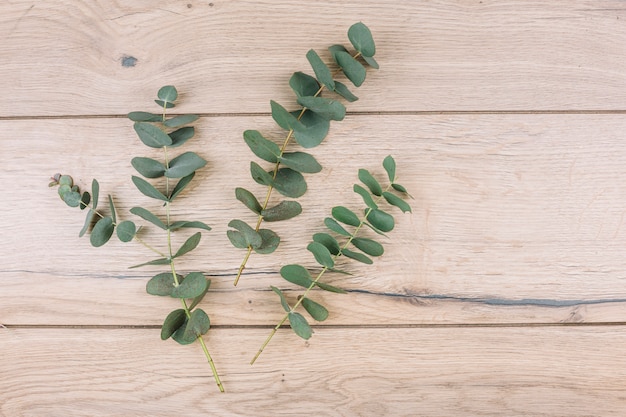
[
  {"x": 109, "y": 57},
  {"x": 339, "y": 372},
  {"x": 516, "y": 218}
]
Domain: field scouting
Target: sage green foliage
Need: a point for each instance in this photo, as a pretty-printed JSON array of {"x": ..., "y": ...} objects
[
  {"x": 343, "y": 241},
  {"x": 308, "y": 125},
  {"x": 187, "y": 324}
]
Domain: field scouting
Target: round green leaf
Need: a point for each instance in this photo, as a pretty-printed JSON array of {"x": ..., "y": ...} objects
[
  {"x": 184, "y": 164},
  {"x": 303, "y": 84},
  {"x": 283, "y": 211},
  {"x": 316, "y": 310},
  {"x": 322, "y": 254},
  {"x": 162, "y": 284},
  {"x": 237, "y": 239},
  {"x": 381, "y": 220},
  {"x": 261, "y": 147},
  {"x": 102, "y": 232},
  {"x": 252, "y": 237},
  {"x": 311, "y": 130},
  {"x": 72, "y": 198},
  {"x": 289, "y": 183},
  {"x": 168, "y": 93},
  {"x": 353, "y": 69},
  {"x": 361, "y": 38},
  {"x": 301, "y": 162},
  {"x": 197, "y": 325},
  {"x": 296, "y": 274},
  {"x": 151, "y": 135},
  {"x": 64, "y": 189},
  {"x": 325, "y": 107},
  {"x": 248, "y": 199},
  {"x": 193, "y": 285},
  {"x": 269, "y": 242},
  {"x": 369, "y": 246},
  {"x": 299, "y": 325},
  {"x": 66, "y": 180},
  {"x": 345, "y": 215},
  {"x": 126, "y": 231},
  {"x": 173, "y": 322},
  {"x": 148, "y": 167},
  {"x": 327, "y": 240}
]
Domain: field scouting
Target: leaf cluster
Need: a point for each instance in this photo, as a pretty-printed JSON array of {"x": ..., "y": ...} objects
[
  {"x": 343, "y": 240},
  {"x": 308, "y": 125}
]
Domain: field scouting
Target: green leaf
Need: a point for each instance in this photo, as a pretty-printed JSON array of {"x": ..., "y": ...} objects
[
  {"x": 296, "y": 274},
  {"x": 283, "y": 211},
  {"x": 181, "y": 120},
  {"x": 184, "y": 164},
  {"x": 168, "y": 93},
  {"x": 66, "y": 180},
  {"x": 160, "y": 261},
  {"x": 336, "y": 227},
  {"x": 325, "y": 107},
  {"x": 289, "y": 183},
  {"x": 316, "y": 310},
  {"x": 189, "y": 245},
  {"x": 399, "y": 187},
  {"x": 369, "y": 246},
  {"x": 371, "y": 62},
  {"x": 148, "y": 167},
  {"x": 148, "y": 189},
  {"x": 248, "y": 199},
  {"x": 330, "y": 288},
  {"x": 193, "y": 285},
  {"x": 303, "y": 84},
  {"x": 173, "y": 322},
  {"x": 151, "y": 135},
  {"x": 322, "y": 254},
  {"x": 361, "y": 38},
  {"x": 367, "y": 198},
  {"x": 146, "y": 215},
  {"x": 390, "y": 166},
  {"x": 381, "y": 220},
  {"x": 299, "y": 325},
  {"x": 343, "y": 91},
  {"x": 345, "y": 215},
  {"x": 328, "y": 241},
  {"x": 260, "y": 175},
  {"x": 311, "y": 130},
  {"x": 126, "y": 231},
  {"x": 353, "y": 69},
  {"x": 283, "y": 301},
  {"x": 64, "y": 189},
  {"x": 102, "y": 232},
  {"x": 237, "y": 239},
  {"x": 95, "y": 190},
  {"x": 337, "y": 48},
  {"x": 301, "y": 162},
  {"x": 199, "y": 298},
  {"x": 112, "y": 208},
  {"x": 357, "y": 256},
  {"x": 182, "y": 135},
  {"x": 142, "y": 116},
  {"x": 252, "y": 237},
  {"x": 180, "y": 185},
  {"x": 72, "y": 198},
  {"x": 322, "y": 72},
  {"x": 88, "y": 220},
  {"x": 197, "y": 325},
  {"x": 282, "y": 117},
  {"x": 162, "y": 284},
  {"x": 186, "y": 224},
  {"x": 370, "y": 181},
  {"x": 85, "y": 199},
  {"x": 261, "y": 147},
  {"x": 397, "y": 201},
  {"x": 269, "y": 242}
]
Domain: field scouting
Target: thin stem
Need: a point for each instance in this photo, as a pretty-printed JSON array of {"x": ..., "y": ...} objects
[
  {"x": 270, "y": 188},
  {"x": 314, "y": 282}
]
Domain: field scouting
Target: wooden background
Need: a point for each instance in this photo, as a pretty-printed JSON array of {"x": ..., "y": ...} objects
[{"x": 503, "y": 293}]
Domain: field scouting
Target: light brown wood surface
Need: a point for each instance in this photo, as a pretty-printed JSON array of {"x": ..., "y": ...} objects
[{"x": 502, "y": 293}]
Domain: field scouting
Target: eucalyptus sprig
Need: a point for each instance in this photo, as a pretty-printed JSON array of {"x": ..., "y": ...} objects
[
  {"x": 308, "y": 125},
  {"x": 326, "y": 249},
  {"x": 186, "y": 324}
]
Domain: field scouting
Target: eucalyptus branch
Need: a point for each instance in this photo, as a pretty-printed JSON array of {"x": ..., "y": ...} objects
[
  {"x": 308, "y": 126},
  {"x": 326, "y": 249},
  {"x": 187, "y": 324}
]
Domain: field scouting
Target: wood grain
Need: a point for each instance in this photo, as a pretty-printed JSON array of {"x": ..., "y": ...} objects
[
  {"x": 516, "y": 218},
  {"x": 341, "y": 372},
  {"x": 108, "y": 57}
]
